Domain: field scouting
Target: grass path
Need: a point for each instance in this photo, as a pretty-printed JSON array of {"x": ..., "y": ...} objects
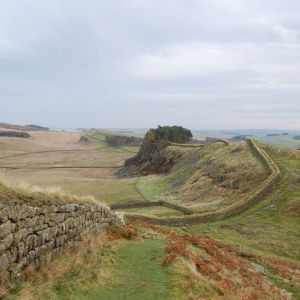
[{"x": 139, "y": 273}]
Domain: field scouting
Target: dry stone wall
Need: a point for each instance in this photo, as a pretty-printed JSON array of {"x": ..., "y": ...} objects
[
  {"x": 35, "y": 235},
  {"x": 152, "y": 204},
  {"x": 237, "y": 208}
]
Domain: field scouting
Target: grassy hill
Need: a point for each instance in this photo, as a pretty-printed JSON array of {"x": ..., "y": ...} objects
[
  {"x": 17, "y": 127},
  {"x": 204, "y": 179},
  {"x": 60, "y": 159},
  {"x": 253, "y": 255}
]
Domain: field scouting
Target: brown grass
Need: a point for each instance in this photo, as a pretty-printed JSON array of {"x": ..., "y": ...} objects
[
  {"x": 58, "y": 159},
  {"x": 205, "y": 268},
  {"x": 208, "y": 189}
]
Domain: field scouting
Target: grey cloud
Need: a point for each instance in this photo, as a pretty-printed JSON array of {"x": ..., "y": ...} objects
[{"x": 142, "y": 63}]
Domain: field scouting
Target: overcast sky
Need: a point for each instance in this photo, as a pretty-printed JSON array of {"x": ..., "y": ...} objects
[{"x": 207, "y": 64}]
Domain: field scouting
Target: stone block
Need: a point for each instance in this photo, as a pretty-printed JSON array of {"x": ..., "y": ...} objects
[
  {"x": 44, "y": 226},
  {"x": 27, "y": 211},
  {"x": 62, "y": 209},
  {"x": 38, "y": 251},
  {"x": 42, "y": 237},
  {"x": 41, "y": 220},
  {"x": 3, "y": 215},
  {"x": 6, "y": 242},
  {"x": 12, "y": 213},
  {"x": 29, "y": 243},
  {"x": 14, "y": 227},
  {"x": 53, "y": 208},
  {"x": 44, "y": 210},
  {"x": 71, "y": 207},
  {"x": 57, "y": 217},
  {"x": 5, "y": 259},
  {"x": 31, "y": 256},
  {"x": 61, "y": 228},
  {"x": 20, "y": 251},
  {"x": 14, "y": 253},
  {"x": 50, "y": 245},
  {"x": 5, "y": 229},
  {"x": 59, "y": 241},
  {"x": 47, "y": 218},
  {"x": 88, "y": 216},
  {"x": 27, "y": 223},
  {"x": 92, "y": 208}
]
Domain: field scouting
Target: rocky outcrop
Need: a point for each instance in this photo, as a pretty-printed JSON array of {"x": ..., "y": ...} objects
[
  {"x": 265, "y": 187},
  {"x": 35, "y": 235}
]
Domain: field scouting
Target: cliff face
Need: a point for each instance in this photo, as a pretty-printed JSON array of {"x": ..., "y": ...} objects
[
  {"x": 33, "y": 236},
  {"x": 152, "y": 157}
]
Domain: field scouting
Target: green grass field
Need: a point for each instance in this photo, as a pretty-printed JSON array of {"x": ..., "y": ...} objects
[{"x": 287, "y": 141}]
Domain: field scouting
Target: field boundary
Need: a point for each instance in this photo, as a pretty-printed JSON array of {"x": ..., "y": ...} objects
[
  {"x": 234, "y": 209},
  {"x": 34, "y": 235},
  {"x": 227, "y": 143},
  {"x": 151, "y": 204}
]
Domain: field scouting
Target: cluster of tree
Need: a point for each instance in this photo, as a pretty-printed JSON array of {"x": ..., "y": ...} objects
[
  {"x": 174, "y": 134},
  {"x": 15, "y": 134},
  {"x": 119, "y": 141},
  {"x": 37, "y": 127},
  {"x": 277, "y": 134},
  {"x": 297, "y": 137}
]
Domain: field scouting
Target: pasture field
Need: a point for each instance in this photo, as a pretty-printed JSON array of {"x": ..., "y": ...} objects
[
  {"x": 60, "y": 159},
  {"x": 286, "y": 141}
]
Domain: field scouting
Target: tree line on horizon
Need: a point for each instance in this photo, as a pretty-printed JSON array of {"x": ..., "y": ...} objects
[{"x": 173, "y": 134}]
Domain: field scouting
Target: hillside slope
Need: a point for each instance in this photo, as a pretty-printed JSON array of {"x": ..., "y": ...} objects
[
  {"x": 252, "y": 255},
  {"x": 203, "y": 178}
]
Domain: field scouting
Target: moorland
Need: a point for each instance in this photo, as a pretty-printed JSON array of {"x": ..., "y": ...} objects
[{"x": 254, "y": 254}]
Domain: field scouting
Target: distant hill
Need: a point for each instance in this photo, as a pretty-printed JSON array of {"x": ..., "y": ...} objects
[
  {"x": 17, "y": 127},
  {"x": 37, "y": 127}
]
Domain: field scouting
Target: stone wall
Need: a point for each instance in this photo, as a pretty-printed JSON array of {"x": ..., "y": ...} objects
[
  {"x": 261, "y": 191},
  {"x": 34, "y": 235},
  {"x": 151, "y": 204}
]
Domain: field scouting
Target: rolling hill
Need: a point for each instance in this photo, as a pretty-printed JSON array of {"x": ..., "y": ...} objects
[{"x": 251, "y": 254}]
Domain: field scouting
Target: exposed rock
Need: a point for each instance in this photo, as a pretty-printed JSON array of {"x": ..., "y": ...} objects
[
  {"x": 6, "y": 242},
  {"x": 5, "y": 260},
  {"x": 83, "y": 139},
  {"x": 259, "y": 269},
  {"x": 232, "y": 184},
  {"x": 5, "y": 229}
]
